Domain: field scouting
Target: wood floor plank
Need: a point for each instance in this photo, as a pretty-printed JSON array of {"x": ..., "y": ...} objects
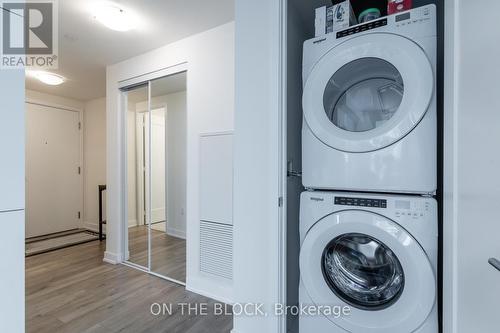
[
  {"x": 168, "y": 253},
  {"x": 73, "y": 290}
]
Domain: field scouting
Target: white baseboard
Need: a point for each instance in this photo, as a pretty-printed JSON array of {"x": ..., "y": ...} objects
[
  {"x": 176, "y": 232},
  {"x": 112, "y": 258},
  {"x": 158, "y": 214},
  {"x": 132, "y": 223},
  {"x": 209, "y": 295},
  {"x": 93, "y": 226},
  {"x": 217, "y": 288}
]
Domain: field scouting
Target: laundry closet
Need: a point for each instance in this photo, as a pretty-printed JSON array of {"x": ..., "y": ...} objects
[
  {"x": 367, "y": 174},
  {"x": 468, "y": 185}
]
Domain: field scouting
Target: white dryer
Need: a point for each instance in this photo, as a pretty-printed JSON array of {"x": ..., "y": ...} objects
[
  {"x": 376, "y": 255},
  {"x": 369, "y": 104}
]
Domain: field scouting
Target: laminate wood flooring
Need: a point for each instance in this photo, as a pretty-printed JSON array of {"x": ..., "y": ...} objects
[
  {"x": 168, "y": 253},
  {"x": 72, "y": 290}
]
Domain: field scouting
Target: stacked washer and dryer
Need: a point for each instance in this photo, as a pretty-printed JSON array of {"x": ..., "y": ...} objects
[{"x": 368, "y": 220}]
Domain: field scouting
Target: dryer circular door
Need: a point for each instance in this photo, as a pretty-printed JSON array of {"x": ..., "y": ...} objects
[
  {"x": 368, "y": 92},
  {"x": 372, "y": 264}
]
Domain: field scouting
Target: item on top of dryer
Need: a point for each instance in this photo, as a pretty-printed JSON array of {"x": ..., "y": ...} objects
[
  {"x": 334, "y": 18},
  {"x": 369, "y": 14},
  {"x": 369, "y": 106},
  {"x": 396, "y": 6},
  {"x": 375, "y": 254}
]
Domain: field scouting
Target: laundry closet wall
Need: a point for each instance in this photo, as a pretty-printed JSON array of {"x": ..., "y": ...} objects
[{"x": 210, "y": 108}]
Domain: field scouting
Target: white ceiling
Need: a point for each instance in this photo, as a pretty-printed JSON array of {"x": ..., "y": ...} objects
[{"x": 86, "y": 47}]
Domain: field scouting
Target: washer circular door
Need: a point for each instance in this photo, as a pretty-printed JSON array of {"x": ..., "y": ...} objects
[
  {"x": 370, "y": 263},
  {"x": 368, "y": 92}
]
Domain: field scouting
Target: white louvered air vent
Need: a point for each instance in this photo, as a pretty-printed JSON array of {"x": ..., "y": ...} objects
[{"x": 216, "y": 249}]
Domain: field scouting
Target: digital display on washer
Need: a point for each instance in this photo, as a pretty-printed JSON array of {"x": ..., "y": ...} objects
[
  {"x": 364, "y": 27},
  {"x": 361, "y": 202},
  {"x": 403, "y": 17}
]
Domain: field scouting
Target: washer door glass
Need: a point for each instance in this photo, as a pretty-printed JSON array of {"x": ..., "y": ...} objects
[
  {"x": 363, "y": 271},
  {"x": 364, "y": 94}
]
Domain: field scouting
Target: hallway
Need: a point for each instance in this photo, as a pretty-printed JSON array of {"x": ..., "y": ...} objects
[{"x": 73, "y": 290}]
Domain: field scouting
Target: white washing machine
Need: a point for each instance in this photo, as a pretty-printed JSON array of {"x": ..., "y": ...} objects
[
  {"x": 375, "y": 255},
  {"x": 369, "y": 105}
]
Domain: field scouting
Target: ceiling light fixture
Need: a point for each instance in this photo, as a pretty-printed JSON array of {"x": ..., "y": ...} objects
[
  {"x": 114, "y": 17},
  {"x": 47, "y": 77}
]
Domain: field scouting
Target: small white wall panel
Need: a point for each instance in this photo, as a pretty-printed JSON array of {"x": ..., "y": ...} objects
[
  {"x": 216, "y": 178},
  {"x": 12, "y": 140}
]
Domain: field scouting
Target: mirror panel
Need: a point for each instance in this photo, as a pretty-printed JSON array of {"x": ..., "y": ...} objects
[{"x": 168, "y": 176}]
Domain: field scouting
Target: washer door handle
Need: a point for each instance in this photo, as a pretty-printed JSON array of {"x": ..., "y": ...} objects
[{"x": 495, "y": 263}]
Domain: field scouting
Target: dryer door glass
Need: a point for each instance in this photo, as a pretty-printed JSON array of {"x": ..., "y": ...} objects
[
  {"x": 363, "y": 94},
  {"x": 362, "y": 271}
]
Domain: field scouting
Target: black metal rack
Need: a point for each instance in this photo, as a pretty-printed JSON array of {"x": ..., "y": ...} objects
[{"x": 102, "y": 188}]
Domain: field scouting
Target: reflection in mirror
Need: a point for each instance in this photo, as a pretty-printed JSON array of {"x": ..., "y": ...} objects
[
  {"x": 168, "y": 176},
  {"x": 137, "y": 107}
]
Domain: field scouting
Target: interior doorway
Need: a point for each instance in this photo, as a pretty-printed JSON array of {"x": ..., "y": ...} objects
[{"x": 156, "y": 176}]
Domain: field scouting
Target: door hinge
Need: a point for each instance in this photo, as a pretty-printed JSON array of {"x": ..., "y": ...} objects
[
  {"x": 291, "y": 172},
  {"x": 79, "y": 215},
  {"x": 280, "y": 202},
  {"x": 79, "y": 125},
  {"x": 79, "y": 170}
]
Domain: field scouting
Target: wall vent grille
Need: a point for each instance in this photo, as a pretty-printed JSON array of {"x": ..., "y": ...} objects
[{"x": 216, "y": 249}]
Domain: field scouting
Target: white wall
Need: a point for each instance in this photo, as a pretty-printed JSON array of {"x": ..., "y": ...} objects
[
  {"x": 12, "y": 131},
  {"x": 210, "y": 105},
  {"x": 132, "y": 166},
  {"x": 53, "y": 100},
  {"x": 258, "y": 220},
  {"x": 94, "y": 157},
  {"x": 472, "y": 161},
  {"x": 176, "y": 164}
]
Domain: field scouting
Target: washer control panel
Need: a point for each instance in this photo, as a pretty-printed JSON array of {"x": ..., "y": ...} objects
[
  {"x": 395, "y": 207},
  {"x": 361, "y": 202}
]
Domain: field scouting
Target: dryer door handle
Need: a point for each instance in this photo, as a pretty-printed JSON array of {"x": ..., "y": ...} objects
[{"x": 495, "y": 263}]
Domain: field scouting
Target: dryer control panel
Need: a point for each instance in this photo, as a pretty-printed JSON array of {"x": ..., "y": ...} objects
[
  {"x": 361, "y": 202},
  {"x": 362, "y": 27},
  {"x": 413, "y": 209},
  {"x": 402, "y": 21}
]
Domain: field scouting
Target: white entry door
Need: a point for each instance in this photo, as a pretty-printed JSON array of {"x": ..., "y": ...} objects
[{"x": 53, "y": 179}]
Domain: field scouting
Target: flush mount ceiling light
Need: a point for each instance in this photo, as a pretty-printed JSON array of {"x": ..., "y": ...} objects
[
  {"x": 47, "y": 77},
  {"x": 114, "y": 17}
]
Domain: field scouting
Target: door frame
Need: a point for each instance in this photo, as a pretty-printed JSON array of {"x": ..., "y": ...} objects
[{"x": 40, "y": 102}]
